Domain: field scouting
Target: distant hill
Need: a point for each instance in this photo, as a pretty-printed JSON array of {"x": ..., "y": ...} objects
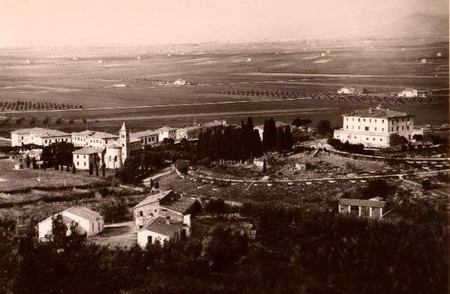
[{"x": 414, "y": 26}]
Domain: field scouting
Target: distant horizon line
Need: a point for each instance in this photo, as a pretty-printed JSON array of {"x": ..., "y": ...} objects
[{"x": 225, "y": 42}]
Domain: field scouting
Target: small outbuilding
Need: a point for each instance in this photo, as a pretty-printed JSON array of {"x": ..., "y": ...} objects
[{"x": 372, "y": 208}]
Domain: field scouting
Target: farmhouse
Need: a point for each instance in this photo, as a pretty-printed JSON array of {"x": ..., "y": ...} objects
[
  {"x": 88, "y": 222},
  {"x": 348, "y": 90},
  {"x": 148, "y": 208},
  {"x": 372, "y": 127},
  {"x": 80, "y": 139},
  {"x": 38, "y": 136},
  {"x": 147, "y": 137},
  {"x": 160, "y": 229},
  {"x": 372, "y": 208},
  {"x": 166, "y": 132},
  {"x": 174, "y": 209},
  {"x": 409, "y": 93}
]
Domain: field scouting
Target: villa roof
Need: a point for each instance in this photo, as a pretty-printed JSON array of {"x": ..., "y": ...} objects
[
  {"x": 114, "y": 145},
  {"x": 83, "y": 133},
  {"x": 153, "y": 198},
  {"x": 162, "y": 226},
  {"x": 41, "y": 132},
  {"x": 165, "y": 129},
  {"x": 377, "y": 113},
  {"x": 85, "y": 213},
  {"x": 181, "y": 205},
  {"x": 103, "y": 135},
  {"x": 145, "y": 133},
  {"x": 87, "y": 151},
  {"x": 361, "y": 202}
]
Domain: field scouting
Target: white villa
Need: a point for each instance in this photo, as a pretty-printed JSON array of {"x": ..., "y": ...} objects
[
  {"x": 372, "y": 127},
  {"x": 147, "y": 137},
  {"x": 88, "y": 222},
  {"x": 166, "y": 132},
  {"x": 38, "y": 136}
]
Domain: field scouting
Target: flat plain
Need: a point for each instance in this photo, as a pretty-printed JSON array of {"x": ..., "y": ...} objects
[{"x": 120, "y": 84}]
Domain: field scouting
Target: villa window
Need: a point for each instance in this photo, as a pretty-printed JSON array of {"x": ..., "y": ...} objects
[
  {"x": 346, "y": 127},
  {"x": 382, "y": 121},
  {"x": 375, "y": 128},
  {"x": 364, "y": 120},
  {"x": 397, "y": 128},
  {"x": 358, "y": 127},
  {"x": 403, "y": 127},
  {"x": 367, "y": 139},
  {"x": 407, "y": 127},
  {"x": 93, "y": 226},
  {"x": 366, "y": 128},
  {"x": 358, "y": 119},
  {"x": 382, "y": 129},
  {"x": 381, "y": 139}
]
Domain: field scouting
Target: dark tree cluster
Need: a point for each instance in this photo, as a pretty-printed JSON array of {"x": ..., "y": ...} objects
[
  {"x": 276, "y": 139},
  {"x": 348, "y": 147},
  {"x": 230, "y": 143},
  {"x": 58, "y": 154}
]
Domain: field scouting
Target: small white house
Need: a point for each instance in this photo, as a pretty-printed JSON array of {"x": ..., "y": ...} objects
[
  {"x": 120, "y": 86},
  {"x": 166, "y": 132},
  {"x": 179, "y": 82},
  {"x": 88, "y": 222},
  {"x": 439, "y": 54},
  {"x": 160, "y": 229},
  {"x": 348, "y": 90},
  {"x": 408, "y": 93}
]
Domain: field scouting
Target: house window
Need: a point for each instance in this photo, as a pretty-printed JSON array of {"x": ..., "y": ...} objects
[
  {"x": 345, "y": 119},
  {"x": 367, "y": 139},
  {"x": 382, "y": 129},
  {"x": 354, "y": 210},
  {"x": 375, "y": 128},
  {"x": 381, "y": 139},
  {"x": 99, "y": 226},
  {"x": 45, "y": 141},
  {"x": 141, "y": 213},
  {"x": 364, "y": 120},
  {"x": 93, "y": 227},
  {"x": 85, "y": 163},
  {"x": 407, "y": 127},
  {"x": 346, "y": 127},
  {"x": 149, "y": 239},
  {"x": 373, "y": 139},
  {"x": 403, "y": 127},
  {"x": 78, "y": 163},
  {"x": 358, "y": 120},
  {"x": 397, "y": 128},
  {"x": 366, "y": 128},
  {"x": 358, "y": 127},
  {"x": 382, "y": 121}
]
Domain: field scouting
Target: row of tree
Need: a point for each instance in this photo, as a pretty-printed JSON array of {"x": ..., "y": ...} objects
[{"x": 230, "y": 143}]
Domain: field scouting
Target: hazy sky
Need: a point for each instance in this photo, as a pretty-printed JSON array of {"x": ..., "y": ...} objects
[{"x": 87, "y": 22}]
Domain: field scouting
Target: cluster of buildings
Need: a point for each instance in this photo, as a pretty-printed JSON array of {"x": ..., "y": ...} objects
[
  {"x": 159, "y": 218},
  {"x": 110, "y": 150},
  {"x": 373, "y": 127},
  {"x": 406, "y": 93}
]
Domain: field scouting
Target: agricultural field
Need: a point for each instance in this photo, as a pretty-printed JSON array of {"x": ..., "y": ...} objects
[{"x": 121, "y": 84}]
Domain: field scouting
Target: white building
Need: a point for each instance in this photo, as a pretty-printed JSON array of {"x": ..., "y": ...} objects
[
  {"x": 80, "y": 139},
  {"x": 372, "y": 208},
  {"x": 372, "y": 127},
  {"x": 179, "y": 82},
  {"x": 347, "y": 90},
  {"x": 409, "y": 93},
  {"x": 160, "y": 229},
  {"x": 38, "y": 136},
  {"x": 83, "y": 157},
  {"x": 166, "y": 132},
  {"x": 101, "y": 139},
  {"x": 147, "y": 137},
  {"x": 163, "y": 210},
  {"x": 88, "y": 222}
]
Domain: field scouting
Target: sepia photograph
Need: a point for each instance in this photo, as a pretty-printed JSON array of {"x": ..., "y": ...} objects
[{"x": 224, "y": 147}]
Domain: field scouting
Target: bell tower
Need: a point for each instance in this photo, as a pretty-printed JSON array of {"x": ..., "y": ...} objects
[{"x": 124, "y": 139}]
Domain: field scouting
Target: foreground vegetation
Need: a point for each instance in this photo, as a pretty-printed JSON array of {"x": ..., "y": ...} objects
[{"x": 296, "y": 251}]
